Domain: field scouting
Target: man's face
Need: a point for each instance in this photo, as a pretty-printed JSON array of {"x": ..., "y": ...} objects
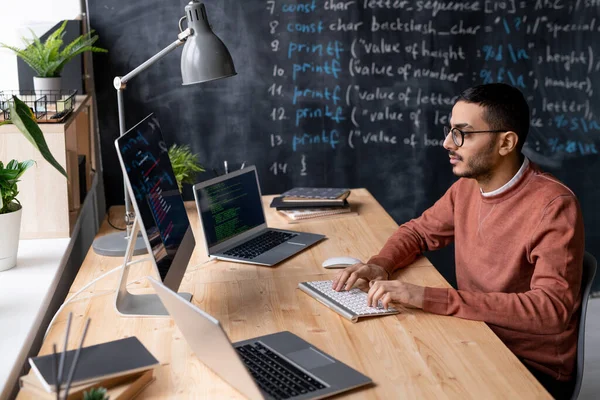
[{"x": 476, "y": 157}]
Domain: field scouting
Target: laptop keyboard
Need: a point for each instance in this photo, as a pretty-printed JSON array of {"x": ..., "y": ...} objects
[
  {"x": 274, "y": 375},
  {"x": 260, "y": 244}
]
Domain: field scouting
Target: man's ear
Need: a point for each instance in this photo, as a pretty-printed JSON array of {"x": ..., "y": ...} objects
[{"x": 508, "y": 142}]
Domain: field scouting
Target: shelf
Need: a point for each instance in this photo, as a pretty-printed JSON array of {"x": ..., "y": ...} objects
[{"x": 48, "y": 199}]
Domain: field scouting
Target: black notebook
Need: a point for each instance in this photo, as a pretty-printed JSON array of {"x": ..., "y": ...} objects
[
  {"x": 316, "y": 193},
  {"x": 101, "y": 361},
  {"x": 279, "y": 204}
]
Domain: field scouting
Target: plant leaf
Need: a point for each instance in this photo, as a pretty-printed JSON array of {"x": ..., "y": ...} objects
[
  {"x": 21, "y": 117},
  {"x": 46, "y": 59}
]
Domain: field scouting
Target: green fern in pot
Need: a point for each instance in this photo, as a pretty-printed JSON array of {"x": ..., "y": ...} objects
[{"x": 185, "y": 164}]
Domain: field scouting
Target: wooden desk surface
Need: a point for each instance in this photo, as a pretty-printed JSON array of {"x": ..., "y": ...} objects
[{"x": 409, "y": 355}]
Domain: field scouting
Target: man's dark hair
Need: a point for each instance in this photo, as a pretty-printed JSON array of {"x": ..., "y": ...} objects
[{"x": 505, "y": 108}]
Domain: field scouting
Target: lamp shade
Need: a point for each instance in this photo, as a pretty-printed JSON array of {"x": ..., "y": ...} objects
[{"x": 204, "y": 57}]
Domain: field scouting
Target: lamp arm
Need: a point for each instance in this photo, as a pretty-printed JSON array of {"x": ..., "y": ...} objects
[{"x": 120, "y": 84}]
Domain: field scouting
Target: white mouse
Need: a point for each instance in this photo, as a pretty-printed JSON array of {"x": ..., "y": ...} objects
[{"x": 340, "y": 262}]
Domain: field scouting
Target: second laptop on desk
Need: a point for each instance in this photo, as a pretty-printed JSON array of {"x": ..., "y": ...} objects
[{"x": 233, "y": 220}]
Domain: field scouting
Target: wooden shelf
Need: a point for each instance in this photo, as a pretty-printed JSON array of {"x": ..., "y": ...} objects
[{"x": 50, "y": 202}]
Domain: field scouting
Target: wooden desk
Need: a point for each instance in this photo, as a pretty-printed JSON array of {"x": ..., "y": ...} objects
[{"x": 409, "y": 355}]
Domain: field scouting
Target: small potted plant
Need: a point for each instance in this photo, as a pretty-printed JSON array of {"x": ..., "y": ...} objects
[
  {"x": 48, "y": 59},
  {"x": 185, "y": 164},
  {"x": 10, "y": 208}
]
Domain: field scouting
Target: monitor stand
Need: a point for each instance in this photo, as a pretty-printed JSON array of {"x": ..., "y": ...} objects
[{"x": 138, "y": 305}]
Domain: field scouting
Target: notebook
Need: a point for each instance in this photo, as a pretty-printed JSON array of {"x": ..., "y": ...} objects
[
  {"x": 101, "y": 361},
  {"x": 316, "y": 193},
  {"x": 339, "y": 199},
  {"x": 299, "y": 215},
  {"x": 123, "y": 387},
  {"x": 278, "y": 204}
]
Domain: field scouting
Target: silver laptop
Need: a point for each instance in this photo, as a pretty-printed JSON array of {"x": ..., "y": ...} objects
[
  {"x": 276, "y": 366},
  {"x": 233, "y": 220}
]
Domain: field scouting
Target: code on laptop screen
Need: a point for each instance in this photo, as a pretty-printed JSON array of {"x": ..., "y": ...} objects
[{"x": 230, "y": 207}]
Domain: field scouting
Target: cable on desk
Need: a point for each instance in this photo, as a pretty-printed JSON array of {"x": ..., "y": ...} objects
[
  {"x": 110, "y": 223},
  {"x": 112, "y": 291},
  {"x": 120, "y": 267}
]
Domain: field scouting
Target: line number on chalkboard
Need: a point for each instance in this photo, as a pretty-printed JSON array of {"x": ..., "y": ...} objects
[
  {"x": 275, "y": 45},
  {"x": 271, "y": 6},
  {"x": 273, "y": 25},
  {"x": 277, "y": 71},
  {"x": 277, "y": 168},
  {"x": 276, "y": 140},
  {"x": 278, "y": 114},
  {"x": 275, "y": 89}
]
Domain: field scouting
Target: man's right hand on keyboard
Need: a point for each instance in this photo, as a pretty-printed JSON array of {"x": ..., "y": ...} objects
[{"x": 348, "y": 277}]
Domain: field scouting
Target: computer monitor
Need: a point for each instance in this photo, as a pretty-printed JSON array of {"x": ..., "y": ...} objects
[{"x": 155, "y": 197}]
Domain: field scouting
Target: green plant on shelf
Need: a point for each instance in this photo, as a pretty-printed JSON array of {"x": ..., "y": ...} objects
[
  {"x": 185, "y": 164},
  {"x": 22, "y": 117},
  {"x": 47, "y": 59}
]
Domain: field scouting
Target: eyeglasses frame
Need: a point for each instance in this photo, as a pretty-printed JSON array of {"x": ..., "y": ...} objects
[{"x": 448, "y": 130}]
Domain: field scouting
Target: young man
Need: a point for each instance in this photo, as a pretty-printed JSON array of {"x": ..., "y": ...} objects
[{"x": 519, "y": 241}]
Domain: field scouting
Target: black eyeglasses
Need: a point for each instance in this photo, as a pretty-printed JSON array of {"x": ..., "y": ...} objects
[{"x": 458, "y": 136}]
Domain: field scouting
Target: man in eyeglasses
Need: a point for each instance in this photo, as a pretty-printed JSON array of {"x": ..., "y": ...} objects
[{"x": 519, "y": 241}]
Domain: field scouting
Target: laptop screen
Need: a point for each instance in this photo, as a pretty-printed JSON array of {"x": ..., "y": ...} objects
[
  {"x": 230, "y": 207},
  {"x": 161, "y": 208}
]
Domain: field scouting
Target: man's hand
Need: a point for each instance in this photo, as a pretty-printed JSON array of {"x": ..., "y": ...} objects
[
  {"x": 348, "y": 277},
  {"x": 388, "y": 292}
]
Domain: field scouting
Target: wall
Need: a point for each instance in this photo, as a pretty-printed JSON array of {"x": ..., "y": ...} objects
[{"x": 15, "y": 19}]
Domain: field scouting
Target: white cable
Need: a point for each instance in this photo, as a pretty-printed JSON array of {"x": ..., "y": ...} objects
[
  {"x": 104, "y": 275},
  {"x": 120, "y": 267}
]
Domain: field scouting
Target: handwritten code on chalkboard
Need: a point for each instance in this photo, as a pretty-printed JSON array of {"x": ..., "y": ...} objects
[{"x": 333, "y": 93}]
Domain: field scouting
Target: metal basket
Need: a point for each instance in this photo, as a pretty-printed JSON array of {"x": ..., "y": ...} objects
[{"x": 48, "y": 106}]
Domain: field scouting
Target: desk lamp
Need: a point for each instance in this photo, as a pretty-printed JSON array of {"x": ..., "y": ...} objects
[{"x": 204, "y": 58}]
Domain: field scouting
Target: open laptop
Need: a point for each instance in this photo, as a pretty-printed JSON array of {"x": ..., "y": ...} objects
[
  {"x": 233, "y": 219},
  {"x": 276, "y": 366}
]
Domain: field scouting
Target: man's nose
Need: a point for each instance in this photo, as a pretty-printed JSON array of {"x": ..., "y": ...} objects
[{"x": 449, "y": 143}]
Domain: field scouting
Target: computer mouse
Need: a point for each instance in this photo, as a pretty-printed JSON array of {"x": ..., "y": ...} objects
[{"x": 340, "y": 262}]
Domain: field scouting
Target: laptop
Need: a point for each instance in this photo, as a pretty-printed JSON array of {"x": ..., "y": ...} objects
[
  {"x": 276, "y": 366},
  {"x": 233, "y": 220}
]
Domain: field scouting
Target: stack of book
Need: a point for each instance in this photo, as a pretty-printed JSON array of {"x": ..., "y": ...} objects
[
  {"x": 302, "y": 203},
  {"x": 123, "y": 367}
]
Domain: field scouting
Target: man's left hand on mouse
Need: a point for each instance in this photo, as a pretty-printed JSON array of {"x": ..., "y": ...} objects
[{"x": 394, "y": 291}]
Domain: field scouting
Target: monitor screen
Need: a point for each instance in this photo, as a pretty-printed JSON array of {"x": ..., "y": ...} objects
[
  {"x": 158, "y": 202},
  {"x": 230, "y": 207}
]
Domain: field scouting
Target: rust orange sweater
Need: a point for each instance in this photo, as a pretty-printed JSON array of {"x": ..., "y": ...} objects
[{"x": 518, "y": 261}]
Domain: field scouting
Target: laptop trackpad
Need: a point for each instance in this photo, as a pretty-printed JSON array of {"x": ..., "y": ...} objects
[{"x": 309, "y": 358}]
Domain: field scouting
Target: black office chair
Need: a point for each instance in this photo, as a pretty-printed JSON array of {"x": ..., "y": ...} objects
[{"x": 589, "y": 271}]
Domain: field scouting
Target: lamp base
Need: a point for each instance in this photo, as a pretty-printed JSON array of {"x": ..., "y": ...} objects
[{"x": 115, "y": 244}]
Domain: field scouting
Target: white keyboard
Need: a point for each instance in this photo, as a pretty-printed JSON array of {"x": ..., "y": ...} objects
[{"x": 351, "y": 304}]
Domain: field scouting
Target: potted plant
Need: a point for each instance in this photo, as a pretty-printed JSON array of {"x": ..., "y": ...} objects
[
  {"x": 10, "y": 208},
  {"x": 185, "y": 164},
  {"x": 48, "y": 60}
]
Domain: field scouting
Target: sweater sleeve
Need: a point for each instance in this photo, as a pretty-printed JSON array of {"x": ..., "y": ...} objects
[
  {"x": 556, "y": 250},
  {"x": 434, "y": 229}
]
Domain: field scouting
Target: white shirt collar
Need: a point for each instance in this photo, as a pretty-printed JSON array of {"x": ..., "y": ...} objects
[{"x": 510, "y": 183}]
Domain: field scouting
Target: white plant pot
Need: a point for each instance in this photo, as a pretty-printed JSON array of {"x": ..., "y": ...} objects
[
  {"x": 42, "y": 85},
  {"x": 10, "y": 227}
]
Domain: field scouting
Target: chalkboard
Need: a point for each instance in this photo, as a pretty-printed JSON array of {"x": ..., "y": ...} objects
[{"x": 356, "y": 93}]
